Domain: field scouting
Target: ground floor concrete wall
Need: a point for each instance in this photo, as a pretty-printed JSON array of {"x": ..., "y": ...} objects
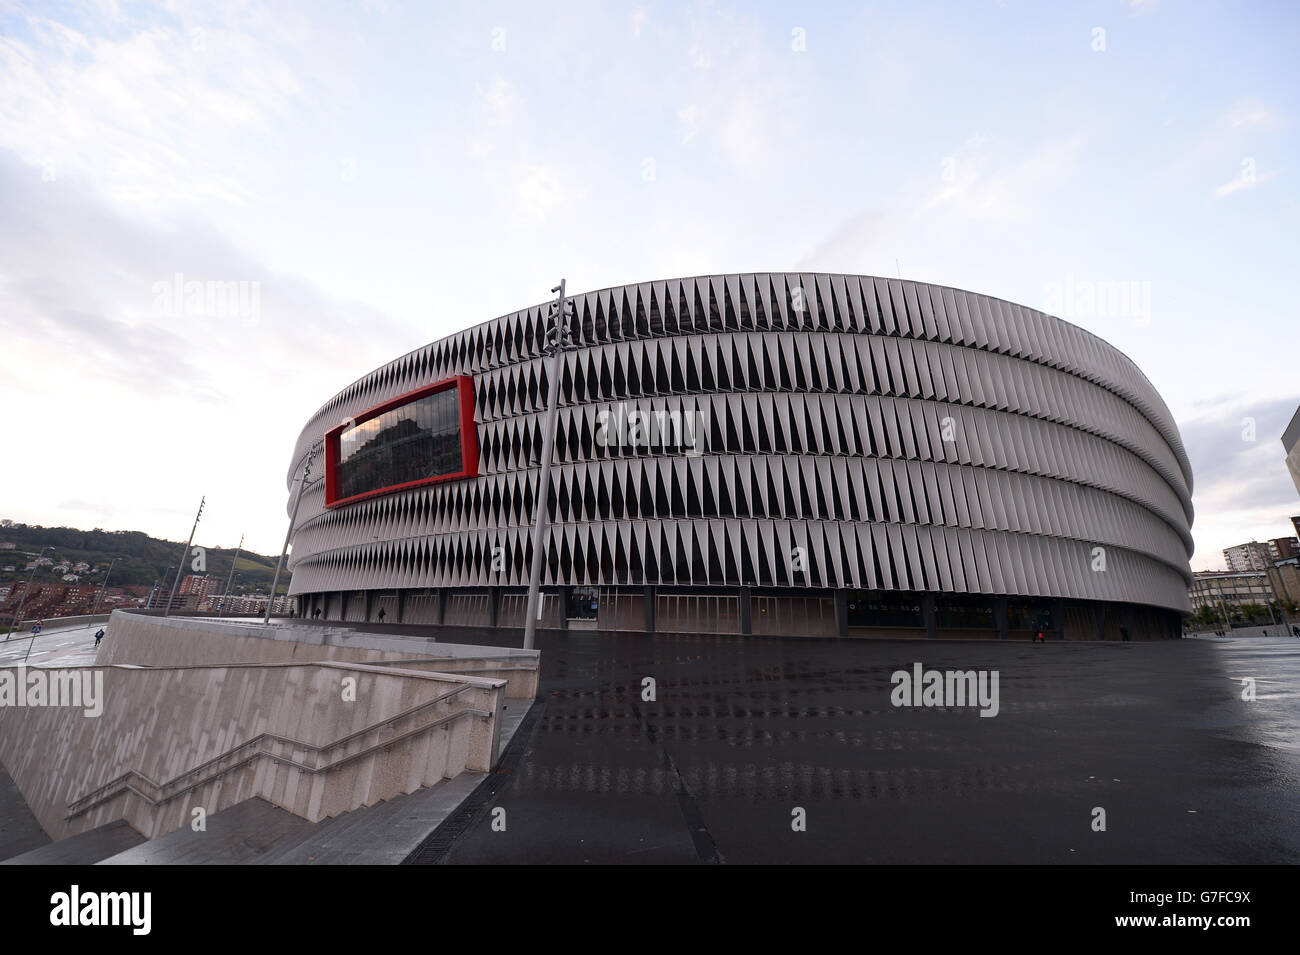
[{"x": 746, "y": 611}]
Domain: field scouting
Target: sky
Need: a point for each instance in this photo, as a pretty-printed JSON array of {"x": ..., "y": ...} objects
[{"x": 374, "y": 176}]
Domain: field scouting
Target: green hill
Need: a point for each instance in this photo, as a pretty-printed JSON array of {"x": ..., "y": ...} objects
[{"x": 141, "y": 559}]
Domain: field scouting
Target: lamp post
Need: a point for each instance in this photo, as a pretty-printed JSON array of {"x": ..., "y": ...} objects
[
  {"x": 226, "y": 596},
  {"x": 1223, "y": 608},
  {"x": 293, "y": 519},
  {"x": 18, "y": 616},
  {"x": 1268, "y": 603},
  {"x": 181, "y": 566},
  {"x": 557, "y": 340},
  {"x": 104, "y": 584},
  {"x": 156, "y": 581}
]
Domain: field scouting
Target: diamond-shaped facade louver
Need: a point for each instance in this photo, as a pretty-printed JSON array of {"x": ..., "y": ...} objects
[{"x": 891, "y": 435}]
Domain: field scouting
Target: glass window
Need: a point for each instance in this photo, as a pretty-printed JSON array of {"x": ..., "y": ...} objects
[{"x": 415, "y": 441}]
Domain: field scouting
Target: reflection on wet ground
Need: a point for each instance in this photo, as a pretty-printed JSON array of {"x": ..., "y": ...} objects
[{"x": 742, "y": 734}]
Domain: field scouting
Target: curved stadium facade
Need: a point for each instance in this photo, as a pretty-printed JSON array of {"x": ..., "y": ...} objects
[{"x": 766, "y": 454}]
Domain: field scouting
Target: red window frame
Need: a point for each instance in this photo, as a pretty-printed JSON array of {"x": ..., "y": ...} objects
[{"x": 464, "y": 385}]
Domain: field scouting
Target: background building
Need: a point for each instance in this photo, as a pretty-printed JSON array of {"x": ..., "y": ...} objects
[
  {"x": 198, "y": 586},
  {"x": 48, "y": 600},
  {"x": 768, "y": 453},
  {"x": 1248, "y": 557},
  {"x": 246, "y": 603},
  {"x": 1284, "y": 578},
  {"x": 1231, "y": 587},
  {"x": 1284, "y": 548}
]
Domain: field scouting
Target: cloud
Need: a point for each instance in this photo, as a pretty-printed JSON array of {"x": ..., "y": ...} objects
[
  {"x": 541, "y": 189},
  {"x": 987, "y": 187},
  {"x": 1242, "y": 486},
  {"x": 1249, "y": 114},
  {"x": 164, "y": 403},
  {"x": 497, "y": 101},
  {"x": 741, "y": 94},
  {"x": 688, "y": 122},
  {"x": 92, "y": 293},
  {"x": 158, "y": 105},
  {"x": 983, "y": 189},
  {"x": 1242, "y": 182}
]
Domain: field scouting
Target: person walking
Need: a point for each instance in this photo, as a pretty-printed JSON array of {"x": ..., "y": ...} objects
[
  {"x": 382, "y": 614},
  {"x": 99, "y": 636}
]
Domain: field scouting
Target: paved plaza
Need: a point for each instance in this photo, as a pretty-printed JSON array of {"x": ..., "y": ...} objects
[{"x": 743, "y": 733}]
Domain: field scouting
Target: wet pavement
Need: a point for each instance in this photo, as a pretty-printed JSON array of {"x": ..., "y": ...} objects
[
  {"x": 74, "y": 646},
  {"x": 742, "y": 734}
]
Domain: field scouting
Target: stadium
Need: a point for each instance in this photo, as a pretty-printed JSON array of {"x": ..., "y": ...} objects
[{"x": 771, "y": 453}]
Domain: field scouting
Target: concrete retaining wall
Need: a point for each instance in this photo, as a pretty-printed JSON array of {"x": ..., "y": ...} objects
[
  {"x": 160, "y": 723},
  {"x": 187, "y": 641},
  {"x": 61, "y": 623}
]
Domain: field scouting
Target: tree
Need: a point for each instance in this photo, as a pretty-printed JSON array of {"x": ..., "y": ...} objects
[{"x": 1253, "y": 611}]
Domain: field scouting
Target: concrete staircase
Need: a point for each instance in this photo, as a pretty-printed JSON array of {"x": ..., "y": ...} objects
[
  {"x": 442, "y": 712},
  {"x": 232, "y": 836},
  {"x": 294, "y": 745},
  {"x": 85, "y": 848}
]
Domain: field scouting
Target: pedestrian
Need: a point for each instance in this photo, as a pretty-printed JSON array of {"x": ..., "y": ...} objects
[
  {"x": 1039, "y": 638},
  {"x": 382, "y": 613},
  {"x": 99, "y": 636},
  {"x": 315, "y": 613},
  {"x": 1123, "y": 634},
  {"x": 1295, "y": 630}
]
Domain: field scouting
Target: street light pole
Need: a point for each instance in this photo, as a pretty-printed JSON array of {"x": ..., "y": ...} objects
[
  {"x": 1268, "y": 604},
  {"x": 557, "y": 340},
  {"x": 1223, "y": 606},
  {"x": 293, "y": 519},
  {"x": 226, "y": 595},
  {"x": 185, "y": 553},
  {"x": 18, "y": 617},
  {"x": 154, "y": 593},
  {"x": 102, "y": 586}
]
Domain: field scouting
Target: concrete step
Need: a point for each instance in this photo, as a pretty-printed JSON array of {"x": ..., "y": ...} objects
[
  {"x": 383, "y": 834},
  {"x": 233, "y": 836},
  {"x": 85, "y": 848},
  {"x": 254, "y": 832},
  {"x": 387, "y": 832}
]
